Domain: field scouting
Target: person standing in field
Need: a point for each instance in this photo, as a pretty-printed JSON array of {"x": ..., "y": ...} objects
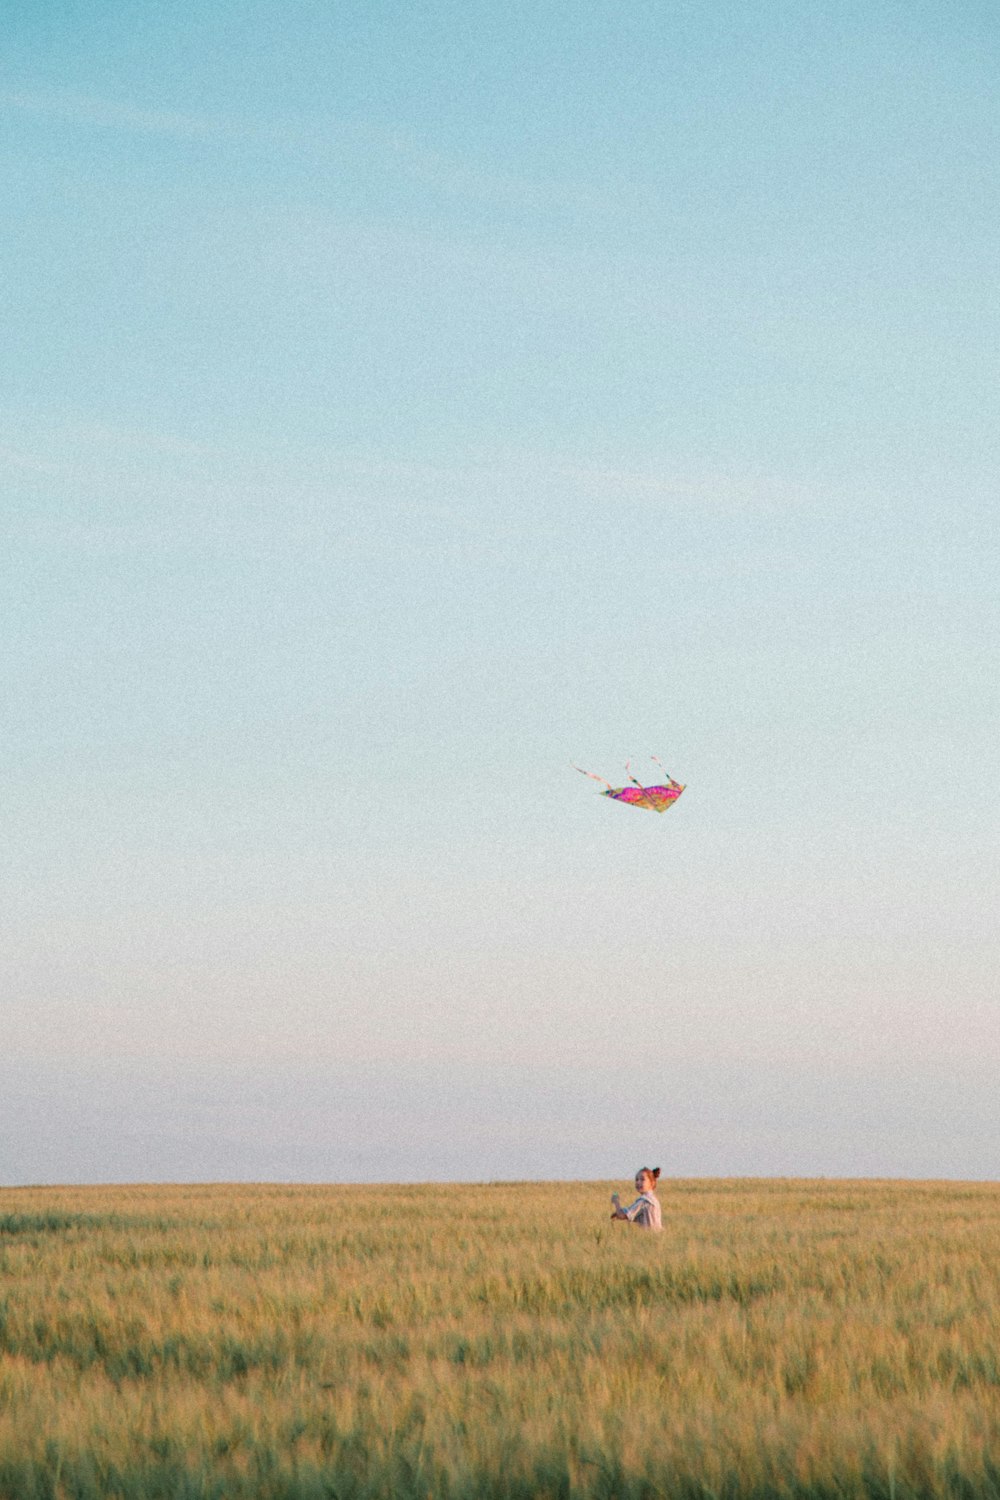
[{"x": 645, "y": 1211}]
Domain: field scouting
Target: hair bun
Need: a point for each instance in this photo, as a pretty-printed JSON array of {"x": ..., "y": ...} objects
[{"x": 656, "y": 1173}]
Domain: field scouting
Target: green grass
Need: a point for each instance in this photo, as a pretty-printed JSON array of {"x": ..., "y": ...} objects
[{"x": 779, "y": 1339}]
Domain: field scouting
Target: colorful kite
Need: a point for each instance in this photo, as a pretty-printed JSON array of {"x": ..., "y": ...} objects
[{"x": 656, "y": 798}]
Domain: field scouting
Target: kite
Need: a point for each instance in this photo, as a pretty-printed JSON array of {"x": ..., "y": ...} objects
[{"x": 656, "y": 798}]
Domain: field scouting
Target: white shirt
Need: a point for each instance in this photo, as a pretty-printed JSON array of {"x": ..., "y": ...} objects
[{"x": 645, "y": 1211}]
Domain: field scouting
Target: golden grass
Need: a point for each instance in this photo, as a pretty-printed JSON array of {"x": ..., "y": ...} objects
[{"x": 780, "y": 1338}]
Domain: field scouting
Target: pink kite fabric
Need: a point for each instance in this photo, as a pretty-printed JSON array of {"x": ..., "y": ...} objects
[
  {"x": 655, "y": 798},
  {"x": 659, "y": 798}
]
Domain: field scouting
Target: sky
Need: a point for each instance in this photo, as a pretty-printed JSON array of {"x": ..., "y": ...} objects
[{"x": 401, "y": 403}]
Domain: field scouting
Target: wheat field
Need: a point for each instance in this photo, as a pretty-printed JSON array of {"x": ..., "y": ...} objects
[{"x": 780, "y": 1338}]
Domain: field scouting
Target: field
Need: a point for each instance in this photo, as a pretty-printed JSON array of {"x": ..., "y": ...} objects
[{"x": 780, "y": 1338}]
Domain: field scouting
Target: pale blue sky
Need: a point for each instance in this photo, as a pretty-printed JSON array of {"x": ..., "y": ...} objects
[{"x": 400, "y": 402}]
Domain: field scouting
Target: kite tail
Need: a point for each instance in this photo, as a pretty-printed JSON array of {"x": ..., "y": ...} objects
[
  {"x": 657, "y": 761},
  {"x": 592, "y": 776},
  {"x": 628, "y": 773},
  {"x": 646, "y": 801}
]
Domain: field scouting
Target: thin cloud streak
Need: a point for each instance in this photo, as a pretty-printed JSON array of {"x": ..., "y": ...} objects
[
  {"x": 132, "y": 462},
  {"x": 15, "y": 462},
  {"x": 441, "y": 172},
  {"x": 447, "y": 173},
  {"x": 84, "y": 109}
]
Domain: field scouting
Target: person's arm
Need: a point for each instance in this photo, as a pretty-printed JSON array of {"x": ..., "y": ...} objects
[{"x": 633, "y": 1208}]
